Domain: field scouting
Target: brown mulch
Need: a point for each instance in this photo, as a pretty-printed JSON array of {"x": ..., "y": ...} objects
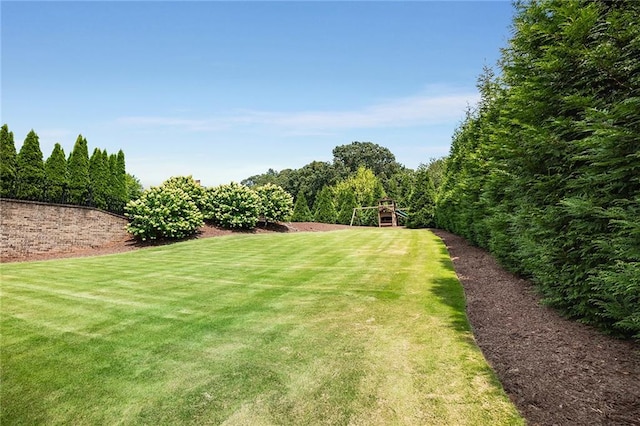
[{"x": 556, "y": 371}]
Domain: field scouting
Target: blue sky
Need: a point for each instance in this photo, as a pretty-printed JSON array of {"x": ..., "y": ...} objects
[{"x": 226, "y": 90}]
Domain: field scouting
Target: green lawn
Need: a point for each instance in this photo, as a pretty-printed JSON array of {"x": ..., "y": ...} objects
[{"x": 361, "y": 327}]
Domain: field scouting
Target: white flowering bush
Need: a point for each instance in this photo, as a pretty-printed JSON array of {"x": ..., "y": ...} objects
[
  {"x": 197, "y": 192},
  {"x": 276, "y": 204},
  {"x": 163, "y": 212},
  {"x": 233, "y": 206}
]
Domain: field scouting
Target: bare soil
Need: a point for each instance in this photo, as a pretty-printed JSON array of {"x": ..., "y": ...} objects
[{"x": 556, "y": 371}]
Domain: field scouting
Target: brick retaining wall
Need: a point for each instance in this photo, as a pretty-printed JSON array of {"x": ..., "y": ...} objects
[{"x": 30, "y": 228}]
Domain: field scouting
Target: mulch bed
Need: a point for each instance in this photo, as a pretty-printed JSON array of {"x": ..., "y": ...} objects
[{"x": 556, "y": 371}]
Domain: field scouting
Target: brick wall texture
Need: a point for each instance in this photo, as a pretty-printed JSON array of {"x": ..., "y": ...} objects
[{"x": 30, "y": 228}]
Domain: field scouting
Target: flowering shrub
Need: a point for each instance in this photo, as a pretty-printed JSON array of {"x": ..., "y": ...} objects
[
  {"x": 276, "y": 204},
  {"x": 163, "y": 212},
  {"x": 233, "y": 206},
  {"x": 197, "y": 192}
]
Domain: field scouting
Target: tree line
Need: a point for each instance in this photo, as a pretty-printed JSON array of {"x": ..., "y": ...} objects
[
  {"x": 98, "y": 181},
  {"x": 360, "y": 174},
  {"x": 545, "y": 171}
]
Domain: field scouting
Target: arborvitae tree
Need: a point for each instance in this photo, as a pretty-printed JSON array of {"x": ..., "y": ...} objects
[
  {"x": 346, "y": 201},
  {"x": 301, "y": 212},
  {"x": 324, "y": 209},
  {"x": 78, "y": 169},
  {"x": 422, "y": 201},
  {"x": 113, "y": 182},
  {"x": 120, "y": 191},
  {"x": 544, "y": 172},
  {"x": 30, "y": 170},
  {"x": 55, "y": 175},
  {"x": 8, "y": 163},
  {"x": 99, "y": 179}
]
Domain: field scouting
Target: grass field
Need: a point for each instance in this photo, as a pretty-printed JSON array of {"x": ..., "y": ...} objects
[{"x": 361, "y": 327}]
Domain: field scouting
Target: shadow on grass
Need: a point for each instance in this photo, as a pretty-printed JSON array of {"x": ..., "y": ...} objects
[{"x": 449, "y": 291}]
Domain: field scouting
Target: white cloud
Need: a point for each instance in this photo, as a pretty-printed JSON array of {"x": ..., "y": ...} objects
[{"x": 411, "y": 111}]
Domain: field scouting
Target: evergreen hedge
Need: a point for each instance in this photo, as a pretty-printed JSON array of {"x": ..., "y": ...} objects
[
  {"x": 30, "y": 169},
  {"x": 98, "y": 182},
  {"x": 545, "y": 172}
]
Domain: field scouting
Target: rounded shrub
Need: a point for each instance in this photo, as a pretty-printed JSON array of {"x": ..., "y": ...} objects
[
  {"x": 233, "y": 206},
  {"x": 163, "y": 212},
  {"x": 196, "y": 191},
  {"x": 276, "y": 204}
]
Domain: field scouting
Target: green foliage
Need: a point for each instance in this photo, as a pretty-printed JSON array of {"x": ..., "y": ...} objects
[
  {"x": 276, "y": 204},
  {"x": 98, "y": 179},
  {"x": 400, "y": 186},
  {"x": 324, "y": 209},
  {"x": 30, "y": 169},
  {"x": 544, "y": 172},
  {"x": 163, "y": 212},
  {"x": 436, "y": 169},
  {"x": 271, "y": 176},
  {"x": 310, "y": 179},
  {"x": 78, "y": 170},
  {"x": 133, "y": 186},
  {"x": 55, "y": 175},
  {"x": 366, "y": 189},
  {"x": 346, "y": 202},
  {"x": 422, "y": 201},
  {"x": 301, "y": 211},
  {"x": 233, "y": 206},
  {"x": 196, "y": 191},
  {"x": 349, "y": 158},
  {"x": 118, "y": 192},
  {"x": 8, "y": 163}
]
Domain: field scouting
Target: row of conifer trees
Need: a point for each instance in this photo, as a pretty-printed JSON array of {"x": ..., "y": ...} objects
[
  {"x": 546, "y": 172},
  {"x": 97, "y": 181}
]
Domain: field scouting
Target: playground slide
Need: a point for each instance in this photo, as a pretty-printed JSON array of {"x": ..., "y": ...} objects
[{"x": 401, "y": 213}]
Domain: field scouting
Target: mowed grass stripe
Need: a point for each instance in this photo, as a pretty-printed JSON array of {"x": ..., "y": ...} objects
[{"x": 363, "y": 326}]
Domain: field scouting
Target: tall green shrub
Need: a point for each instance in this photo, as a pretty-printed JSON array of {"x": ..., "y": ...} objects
[
  {"x": 120, "y": 192},
  {"x": 78, "y": 170},
  {"x": 544, "y": 171},
  {"x": 233, "y": 206},
  {"x": 55, "y": 176},
  {"x": 134, "y": 188},
  {"x": 8, "y": 163},
  {"x": 301, "y": 211},
  {"x": 346, "y": 202},
  {"x": 324, "y": 209},
  {"x": 192, "y": 188},
  {"x": 30, "y": 169},
  {"x": 163, "y": 212},
  {"x": 276, "y": 204},
  {"x": 422, "y": 201},
  {"x": 98, "y": 179}
]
